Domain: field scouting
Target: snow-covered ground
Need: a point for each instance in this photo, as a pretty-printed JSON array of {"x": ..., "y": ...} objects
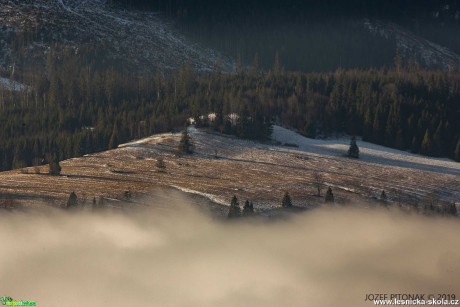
[
  {"x": 11, "y": 85},
  {"x": 368, "y": 152},
  {"x": 418, "y": 48},
  {"x": 145, "y": 40}
]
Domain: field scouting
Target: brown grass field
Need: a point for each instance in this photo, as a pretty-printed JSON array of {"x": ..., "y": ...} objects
[{"x": 222, "y": 166}]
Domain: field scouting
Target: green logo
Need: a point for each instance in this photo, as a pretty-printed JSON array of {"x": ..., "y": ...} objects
[{"x": 8, "y": 301}]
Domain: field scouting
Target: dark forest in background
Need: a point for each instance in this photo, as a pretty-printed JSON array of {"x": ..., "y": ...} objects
[
  {"x": 75, "y": 107},
  {"x": 215, "y": 9},
  {"x": 307, "y": 35}
]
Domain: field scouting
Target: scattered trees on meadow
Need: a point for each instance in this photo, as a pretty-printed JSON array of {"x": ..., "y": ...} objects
[
  {"x": 235, "y": 210},
  {"x": 248, "y": 209},
  {"x": 78, "y": 107}
]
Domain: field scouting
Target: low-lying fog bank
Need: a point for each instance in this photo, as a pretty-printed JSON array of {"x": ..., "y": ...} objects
[{"x": 324, "y": 257}]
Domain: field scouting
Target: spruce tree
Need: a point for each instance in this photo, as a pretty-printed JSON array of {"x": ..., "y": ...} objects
[
  {"x": 72, "y": 201},
  {"x": 286, "y": 201},
  {"x": 234, "y": 210},
  {"x": 329, "y": 198},
  {"x": 55, "y": 168},
  {"x": 353, "y": 151},
  {"x": 383, "y": 197},
  {"x": 248, "y": 208},
  {"x": 185, "y": 143}
]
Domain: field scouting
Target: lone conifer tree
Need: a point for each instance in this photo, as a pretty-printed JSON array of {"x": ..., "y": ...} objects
[
  {"x": 353, "y": 151},
  {"x": 235, "y": 210},
  {"x": 286, "y": 202},
  {"x": 160, "y": 164},
  {"x": 329, "y": 198},
  {"x": 248, "y": 208},
  {"x": 383, "y": 196},
  {"x": 72, "y": 201},
  {"x": 55, "y": 168},
  {"x": 185, "y": 143}
]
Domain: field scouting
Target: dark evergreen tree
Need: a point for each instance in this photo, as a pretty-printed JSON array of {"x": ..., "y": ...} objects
[
  {"x": 248, "y": 209},
  {"x": 383, "y": 196},
  {"x": 54, "y": 166},
  {"x": 286, "y": 202},
  {"x": 185, "y": 143},
  {"x": 329, "y": 198},
  {"x": 353, "y": 151},
  {"x": 234, "y": 210},
  {"x": 72, "y": 201}
]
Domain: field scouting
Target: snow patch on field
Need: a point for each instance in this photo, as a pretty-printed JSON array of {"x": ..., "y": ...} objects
[
  {"x": 369, "y": 152},
  {"x": 208, "y": 196},
  {"x": 12, "y": 85},
  {"x": 153, "y": 138}
]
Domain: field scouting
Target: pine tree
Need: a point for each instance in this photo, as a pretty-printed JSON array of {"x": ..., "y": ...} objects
[
  {"x": 329, "y": 198},
  {"x": 185, "y": 143},
  {"x": 248, "y": 208},
  {"x": 353, "y": 151},
  {"x": 234, "y": 210},
  {"x": 286, "y": 202},
  {"x": 55, "y": 168},
  {"x": 383, "y": 197},
  {"x": 72, "y": 201}
]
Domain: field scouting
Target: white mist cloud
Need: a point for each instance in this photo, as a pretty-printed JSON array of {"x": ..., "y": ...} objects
[{"x": 181, "y": 257}]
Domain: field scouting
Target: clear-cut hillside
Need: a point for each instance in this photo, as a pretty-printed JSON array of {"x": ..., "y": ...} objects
[{"x": 144, "y": 40}]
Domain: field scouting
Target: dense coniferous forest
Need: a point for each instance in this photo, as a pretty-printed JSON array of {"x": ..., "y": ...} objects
[
  {"x": 75, "y": 107},
  {"x": 307, "y": 35}
]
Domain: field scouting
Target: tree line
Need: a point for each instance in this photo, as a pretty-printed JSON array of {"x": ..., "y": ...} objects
[{"x": 73, "y": 107}]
